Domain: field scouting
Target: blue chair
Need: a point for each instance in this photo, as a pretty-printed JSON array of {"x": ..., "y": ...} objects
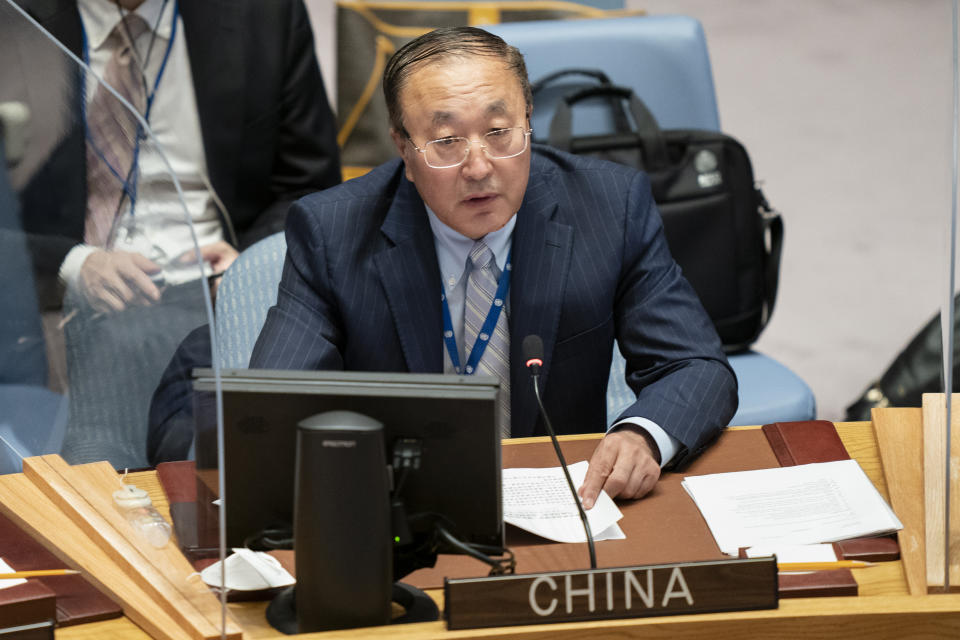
[
  {"x": 248, "y": 290},
  {"x": 246, "y": 293},
  {"x": 664, "y": 59},
  {"x": 768, "y": 391},
  {"x": 32, "y": 418},
  {"x": 33, "y": 423}
]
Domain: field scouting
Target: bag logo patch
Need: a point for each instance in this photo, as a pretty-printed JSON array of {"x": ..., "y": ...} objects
[{"x": 705, "y": 162}]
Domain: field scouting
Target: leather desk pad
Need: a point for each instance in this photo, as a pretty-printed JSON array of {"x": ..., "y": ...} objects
[{"x": 665, "y": 526}]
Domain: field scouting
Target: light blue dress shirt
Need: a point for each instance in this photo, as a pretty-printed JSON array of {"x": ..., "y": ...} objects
[{"x": 453, "y": 251}]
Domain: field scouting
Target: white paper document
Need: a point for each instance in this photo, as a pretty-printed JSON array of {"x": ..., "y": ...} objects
[
  {"x": 11, "y": 582},
  {"x": 539, "y": 501},
  {"x": 795, "y": 552},
  {"x": 804, "y": 504}
]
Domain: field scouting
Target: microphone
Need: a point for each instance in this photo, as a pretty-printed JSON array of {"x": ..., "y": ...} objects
[
  {"x": 533, "y": 354},
  {"x": 532, "y": 350}
]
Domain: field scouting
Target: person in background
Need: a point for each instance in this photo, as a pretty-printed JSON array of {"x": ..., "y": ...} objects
[{"x": 233, "y": 97}]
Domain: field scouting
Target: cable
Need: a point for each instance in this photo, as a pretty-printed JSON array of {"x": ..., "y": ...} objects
[
  {"x": 269, "y": 540},
  {"x": 498, "y": 567}
]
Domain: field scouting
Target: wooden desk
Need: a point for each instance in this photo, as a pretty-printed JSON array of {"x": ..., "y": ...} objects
[{"x": 883, "y": 610}]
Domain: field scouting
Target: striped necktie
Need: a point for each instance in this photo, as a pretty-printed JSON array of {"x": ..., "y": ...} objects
[
  {"x": 481, "y": 289},
  {"x": 112, "y": 130}
]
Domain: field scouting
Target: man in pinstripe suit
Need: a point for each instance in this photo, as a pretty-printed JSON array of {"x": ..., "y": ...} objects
[{"x": 580, "y": 241}]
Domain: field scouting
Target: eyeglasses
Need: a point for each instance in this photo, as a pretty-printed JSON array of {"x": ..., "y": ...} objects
[{"x": 498, "y": 144}]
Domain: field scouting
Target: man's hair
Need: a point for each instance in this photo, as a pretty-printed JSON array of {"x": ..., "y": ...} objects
[{"x": 441, "y": 44}]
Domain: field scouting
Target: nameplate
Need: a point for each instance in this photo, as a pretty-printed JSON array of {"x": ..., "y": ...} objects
[{"x": 601, "y": 594}]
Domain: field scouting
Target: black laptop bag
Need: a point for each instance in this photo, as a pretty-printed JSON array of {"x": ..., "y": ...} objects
[{"x": 719, "y": 226}]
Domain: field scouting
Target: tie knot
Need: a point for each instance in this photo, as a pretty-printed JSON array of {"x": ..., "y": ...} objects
[
  {"x": 480, "y": 256},
  {"x": 129, "y": 29}
]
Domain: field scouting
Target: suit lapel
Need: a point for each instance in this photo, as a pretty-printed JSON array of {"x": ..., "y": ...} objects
[
  {"x": 216, "y": 50},
  {"x": 411, "y": 280},
  {"x": 62, "y": 19},
  {"x": 541, "y": 258}
]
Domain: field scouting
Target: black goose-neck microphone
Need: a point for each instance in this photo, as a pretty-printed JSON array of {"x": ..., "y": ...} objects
[{"x": 533, "y": 359}]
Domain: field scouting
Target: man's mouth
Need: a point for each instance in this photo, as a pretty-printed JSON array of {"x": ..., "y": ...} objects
[{"x": 479, "y": 198}]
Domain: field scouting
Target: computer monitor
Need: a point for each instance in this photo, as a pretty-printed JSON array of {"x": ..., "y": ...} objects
[{"x": 453, "y": 418}]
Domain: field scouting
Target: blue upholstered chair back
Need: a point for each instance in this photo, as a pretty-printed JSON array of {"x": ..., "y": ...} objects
[
  {"x": 664, "y": 59},
  {"x": 32, "y": 418},
  {"x": 768, "y": 391},
  {"x": 248, "y": 290}
]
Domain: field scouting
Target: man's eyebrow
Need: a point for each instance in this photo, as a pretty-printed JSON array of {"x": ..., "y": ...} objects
[
  {"x": 497, "y": 107},
  {"x": 441, "y": 117}
]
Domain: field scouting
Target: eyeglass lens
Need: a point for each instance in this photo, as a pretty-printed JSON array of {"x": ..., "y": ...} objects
[{"x": 498, "y": 144}]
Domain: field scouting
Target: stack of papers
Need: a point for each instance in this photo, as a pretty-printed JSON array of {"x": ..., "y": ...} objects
[
  {"x": 804, "y": 504},
  {"x": 539, "y": 501}
]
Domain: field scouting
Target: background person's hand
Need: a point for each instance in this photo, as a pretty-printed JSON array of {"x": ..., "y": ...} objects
[
  {"x": 624, "y": 464},
  {"x": 220, "y": 255},
  {"x": 114, "y": 280}
]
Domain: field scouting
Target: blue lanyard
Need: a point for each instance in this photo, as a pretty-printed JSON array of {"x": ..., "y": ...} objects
[
  {"x": 130, "y": 180},
  {"x": 489, "y": 325}
]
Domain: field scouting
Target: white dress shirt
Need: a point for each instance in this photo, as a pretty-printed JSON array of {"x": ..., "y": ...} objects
[
  {"x": 160, "y": 231},
  {"x": 453, "y": 251}
]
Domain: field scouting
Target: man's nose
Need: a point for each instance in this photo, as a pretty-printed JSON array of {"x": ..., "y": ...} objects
[{"x": 477, "y": 165}]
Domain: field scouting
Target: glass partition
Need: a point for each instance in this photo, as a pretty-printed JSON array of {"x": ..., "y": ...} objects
[
  {"x": 848, "y": 113},
  {"x": 112, "y": 244},
  {"x": 951, "y": 510}
]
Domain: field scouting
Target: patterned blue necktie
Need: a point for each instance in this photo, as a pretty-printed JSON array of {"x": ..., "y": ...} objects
[{"x": 481, "y": 287}]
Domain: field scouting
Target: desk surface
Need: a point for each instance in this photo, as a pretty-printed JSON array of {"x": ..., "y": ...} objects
[{"x": 883, "y": 610}]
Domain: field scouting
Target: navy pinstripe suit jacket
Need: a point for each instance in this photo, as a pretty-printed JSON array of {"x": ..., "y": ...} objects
[{"x": 360, "y": 291}]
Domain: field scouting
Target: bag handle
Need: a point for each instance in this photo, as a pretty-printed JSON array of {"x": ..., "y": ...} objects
[
  {"x": 620, "y": 120},
  {"x": 596, "y": 74},
  {"x": 772, "y": 223},
  {"x": 771, "y": 228},
  {"x": 648, "y": 132}
]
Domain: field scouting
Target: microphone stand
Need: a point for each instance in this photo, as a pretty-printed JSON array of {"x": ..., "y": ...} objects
[{"x": 535, "y": 373}]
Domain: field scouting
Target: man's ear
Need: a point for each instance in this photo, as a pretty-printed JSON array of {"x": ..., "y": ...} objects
[{"x": 400, "y": 140}]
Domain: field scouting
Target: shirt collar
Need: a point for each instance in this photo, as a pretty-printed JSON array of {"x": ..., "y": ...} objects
[
  {"x": 101, "y": 16},
  {"x": 453, "y": 248}
]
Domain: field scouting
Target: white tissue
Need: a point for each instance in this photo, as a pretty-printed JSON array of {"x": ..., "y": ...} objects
[{"x": 248, "y": 571}]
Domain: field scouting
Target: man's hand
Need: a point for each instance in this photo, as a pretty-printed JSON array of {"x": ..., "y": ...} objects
[
  {"x": 624, "y": 465},
  {"x": 114, "y": 280}
]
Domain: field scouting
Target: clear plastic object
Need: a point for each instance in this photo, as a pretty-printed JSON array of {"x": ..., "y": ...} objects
[{"x": 138, "y": 509}]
